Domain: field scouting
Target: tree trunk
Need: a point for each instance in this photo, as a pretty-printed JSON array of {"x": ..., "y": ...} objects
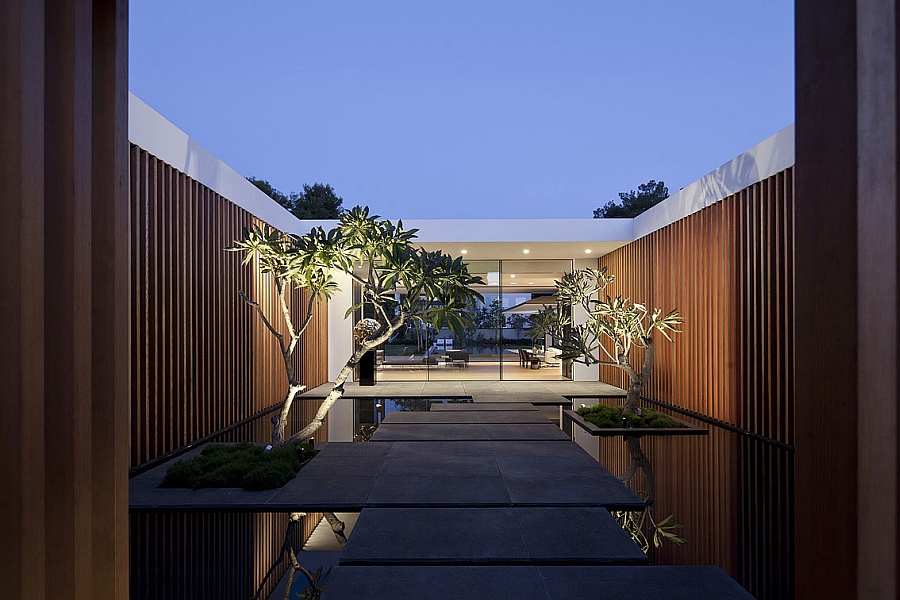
[
  {"x": 338, "y": 390},
  {"x": 639, "y": 460},
  {"x": 280, "y": 422},
  {"x": 633, "y": 396}
]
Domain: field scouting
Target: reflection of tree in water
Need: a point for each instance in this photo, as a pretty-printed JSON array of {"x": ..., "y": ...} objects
[
  {"x": 315, "y": 582},
  {"x": 634, "y": 521},
  {"x": 411, "y": 404}
]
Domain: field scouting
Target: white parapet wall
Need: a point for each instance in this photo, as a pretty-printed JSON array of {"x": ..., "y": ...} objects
[{"x": 772, "y": 155}]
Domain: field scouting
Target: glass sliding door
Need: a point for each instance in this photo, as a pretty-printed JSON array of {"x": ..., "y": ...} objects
[
  {"x": 526, "y": 288},
  {"x": 500, "y": 344}
]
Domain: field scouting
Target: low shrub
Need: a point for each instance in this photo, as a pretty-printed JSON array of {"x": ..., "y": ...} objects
[
  {"x": 610, "y": 417},
  {"x": 240, "y": 465}
]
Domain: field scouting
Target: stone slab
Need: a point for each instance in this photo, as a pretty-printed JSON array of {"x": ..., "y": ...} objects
[
  {"x": 641, "y": 583},
  {"x": 322, "y": 493},
  {"x": 398, "y": 449},
  {"x": 438, "y": 490},
  {"x": 456, "y": 416},
  {"x": 434, "y": 583},
  {"x": 412, "y": 536},
  {"x": 572, "y": 490},
  {"x": 577, "y": 536},
  {"x": 409, "y": 432},
  {"x": 352, "y": 476},
  {"x": 444, "y": 536},
  {"x": 532, "y": 583}
]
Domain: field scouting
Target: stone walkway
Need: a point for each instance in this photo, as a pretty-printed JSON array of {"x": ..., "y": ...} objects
[{"x": 486, "y": 500}]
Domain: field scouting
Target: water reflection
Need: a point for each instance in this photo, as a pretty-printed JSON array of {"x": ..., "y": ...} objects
[
  {"x": 733, "y": 494},
  {"x": 368, "y": 413},
  {"x": 234, "y": 555}
]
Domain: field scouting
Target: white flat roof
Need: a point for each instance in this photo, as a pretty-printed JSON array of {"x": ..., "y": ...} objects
[{"x": 481, "y": 238}]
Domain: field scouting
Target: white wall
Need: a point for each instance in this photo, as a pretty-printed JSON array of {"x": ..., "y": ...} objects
[
  {"x": 340, "y": 345},
  {"x": 580, "y": 371}
]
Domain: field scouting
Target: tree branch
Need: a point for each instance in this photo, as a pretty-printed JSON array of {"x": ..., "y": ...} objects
[{"x": 265, "y": 321}]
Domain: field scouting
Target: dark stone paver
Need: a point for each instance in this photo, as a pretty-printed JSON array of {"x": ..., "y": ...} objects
[
  {"x": 532, "y": 583},
  {"x": 479, "y": 448},
  {"x": 437, "y": 490},
  {"x": 577, "y": 535},
  {"x": 434, "y": 583},
  {"x": 416, "y": 465},
  {"x": 571, "y": 490},
  {"x": 415, "y": 474},
  {"x": 472, "y": 416},
  {"x": 490, "y": 536},
  {"x": 436, "y": 536},
  {"x": 330, "y": 492},
  {"x": 641, "y": 583},
  {"x": 555, "y": 448},
  {"x": 467, "y": 432},
  {"x": 428, "y": 432}
]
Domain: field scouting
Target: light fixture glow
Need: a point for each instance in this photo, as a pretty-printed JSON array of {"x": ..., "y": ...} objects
[
  {"x": 530, "y": 283},
  {"x": 463, "y": 251},
  {"x": 526, "y": 251},
  {"x": 588, "y": 251},
  {"x": 513, "y": 283},
  {"x": 513, "y": 276}
]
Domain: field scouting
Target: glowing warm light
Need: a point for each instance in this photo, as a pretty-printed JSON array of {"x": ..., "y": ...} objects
[
  {"x": 512, "y": 276},
  {"x": 463, "y": 251},
  {"x": 526, "y": 251},
  {"x": 588, "y": 251},
  {"x": 530, "y": 283}
]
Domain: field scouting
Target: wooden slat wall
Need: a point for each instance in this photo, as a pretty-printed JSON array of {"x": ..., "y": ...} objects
[
  {"x": 734, "y": 497},
  {"x": 202, "y": 360},
  {"x": 728, "y": 270},
  {"x": 64, "y": 299}
]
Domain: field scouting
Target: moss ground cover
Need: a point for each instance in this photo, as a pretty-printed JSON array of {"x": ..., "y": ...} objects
[
  {"x": 241, "y": 465},
  {"x": 610, "y": 417}
]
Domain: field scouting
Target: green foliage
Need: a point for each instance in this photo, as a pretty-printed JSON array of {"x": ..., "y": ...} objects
[
  {"x": 316, "y": 201},
  {"x": 614, "y": 327},
  {"x": 634, "y": 523},
  {"x": 610, "y": 417},
  {"x": 634, "y": 202},
  {"x": 241, "y": 465}
]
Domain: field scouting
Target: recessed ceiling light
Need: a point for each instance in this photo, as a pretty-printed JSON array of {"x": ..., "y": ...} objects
[
  {"x": 526, "y": 251},
  {"x": 463, "y": 251},
  {"x": 530, "y": 283},
  {"x": 588, "y": 251},
  {"x": 513, "y": 283},
  {"x": 512, "y": 276}
]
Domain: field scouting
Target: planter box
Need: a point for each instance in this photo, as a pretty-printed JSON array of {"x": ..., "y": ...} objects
[{"x": 586, "y": 434}]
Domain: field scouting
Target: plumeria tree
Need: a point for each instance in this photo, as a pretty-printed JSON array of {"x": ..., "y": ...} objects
[
  {"x": 293, "y": 262},
  {"x": 613, "y": 329},
  {"x": 400, "y": 284}
]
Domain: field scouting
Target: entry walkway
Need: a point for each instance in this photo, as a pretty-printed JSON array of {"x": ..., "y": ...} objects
[{"x": 488, "y": 500}]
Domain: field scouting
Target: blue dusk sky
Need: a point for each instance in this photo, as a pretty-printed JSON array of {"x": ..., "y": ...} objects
[{"x": 469, "y": 109}]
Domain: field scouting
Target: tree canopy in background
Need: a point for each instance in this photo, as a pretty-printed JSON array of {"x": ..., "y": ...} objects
[
  {"x": 316, "y": 201},
  {"x": 634, "y": 202}
]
